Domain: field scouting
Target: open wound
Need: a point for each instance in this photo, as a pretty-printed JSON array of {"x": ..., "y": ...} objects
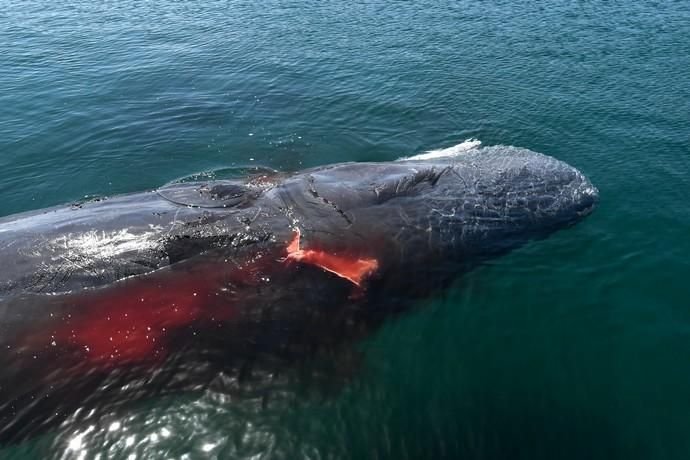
[{"x": 354, "y": 269}]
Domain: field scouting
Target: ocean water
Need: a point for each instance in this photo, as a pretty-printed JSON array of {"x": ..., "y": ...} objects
[{"x": 574, "y": 347}]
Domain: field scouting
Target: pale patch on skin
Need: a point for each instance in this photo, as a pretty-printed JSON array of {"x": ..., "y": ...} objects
[{"x": 453, "y": 151}]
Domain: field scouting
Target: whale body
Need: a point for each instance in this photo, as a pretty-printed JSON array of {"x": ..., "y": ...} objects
[{"x": 136, "y": 295}]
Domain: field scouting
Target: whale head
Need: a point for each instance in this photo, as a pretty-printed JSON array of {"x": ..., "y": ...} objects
[{"x": 439, "y": 211}]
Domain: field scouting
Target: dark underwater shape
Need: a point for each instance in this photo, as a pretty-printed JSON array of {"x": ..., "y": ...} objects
[{"x": 143, "y": 294}]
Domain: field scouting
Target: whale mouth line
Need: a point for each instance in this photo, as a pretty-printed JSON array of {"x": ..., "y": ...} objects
[
  {"x": 589, "y": 208},
  {"x": 589, "y": 199}
]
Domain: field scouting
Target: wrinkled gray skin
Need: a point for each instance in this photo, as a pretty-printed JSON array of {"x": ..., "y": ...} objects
[
  {"x": 424, "y": 221},
  {"x": 414, "y": 216}
]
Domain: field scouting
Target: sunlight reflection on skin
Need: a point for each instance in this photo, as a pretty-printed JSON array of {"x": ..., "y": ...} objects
[{"x": 105, "y": 245}]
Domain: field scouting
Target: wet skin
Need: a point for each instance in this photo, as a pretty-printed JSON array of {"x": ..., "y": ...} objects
[{"x": 163, "y": 291}]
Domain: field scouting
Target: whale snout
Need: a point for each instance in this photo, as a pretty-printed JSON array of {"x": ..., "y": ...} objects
[
  {"x": 551, "y": 191},
  {"x": 507, "y": 195},
  {"x": 572, "y": 196},
  {"x": 586, "y": 196}
]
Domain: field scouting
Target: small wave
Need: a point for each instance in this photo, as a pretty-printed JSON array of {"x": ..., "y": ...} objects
[{"x": 447, "y": 152}]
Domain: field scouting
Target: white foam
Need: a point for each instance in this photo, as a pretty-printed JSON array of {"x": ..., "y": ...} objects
[{"x": 453, "y": 151}]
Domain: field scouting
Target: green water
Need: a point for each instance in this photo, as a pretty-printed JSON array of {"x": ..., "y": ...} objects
[{"x": 574, "y": 347}]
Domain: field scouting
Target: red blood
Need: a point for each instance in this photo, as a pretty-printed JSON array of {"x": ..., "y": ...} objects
[
  {"x": 131, "y": 320},
  {"x": 129, "y": 325}
]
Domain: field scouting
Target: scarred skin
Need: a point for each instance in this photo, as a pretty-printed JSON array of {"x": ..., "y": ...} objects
[{"x": 168, "y": 289}]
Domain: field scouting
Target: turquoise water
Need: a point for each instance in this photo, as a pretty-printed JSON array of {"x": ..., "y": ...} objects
[{"x": 573, "y": 347}]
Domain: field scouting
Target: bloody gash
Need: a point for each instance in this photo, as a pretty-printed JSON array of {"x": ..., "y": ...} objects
[{"x": 140, "y": 294}]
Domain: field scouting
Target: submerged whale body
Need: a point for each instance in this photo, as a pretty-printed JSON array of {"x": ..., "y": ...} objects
[{"x": 141, "y": 294}]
